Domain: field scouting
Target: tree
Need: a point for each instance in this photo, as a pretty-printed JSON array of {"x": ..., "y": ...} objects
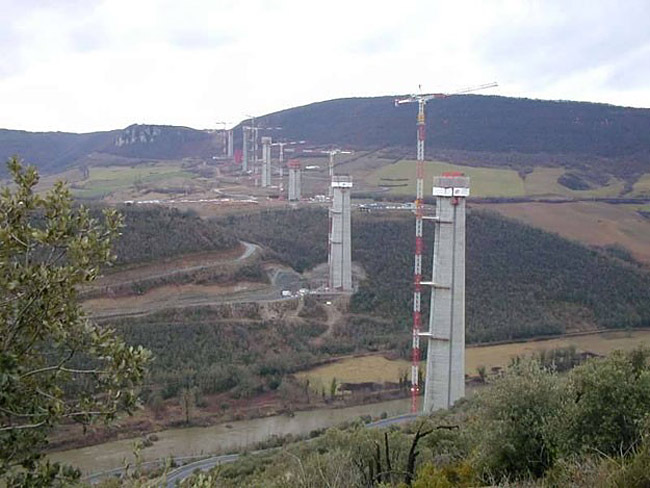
[
  {"x": 611, "y": 403},
  {"x": 513, "y": 425},
  {"x": 55, "y": 364}
]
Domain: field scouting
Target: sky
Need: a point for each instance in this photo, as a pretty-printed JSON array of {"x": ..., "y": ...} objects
[{"x": 87, "y": 65}]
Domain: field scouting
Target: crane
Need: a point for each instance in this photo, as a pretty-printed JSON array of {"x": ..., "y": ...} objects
[
  {"x": 228, "y": 146},
  {"x": 332, "y": 153},
  {"x": 421, "y": 100},
  {"x": 249, "y": 143}
]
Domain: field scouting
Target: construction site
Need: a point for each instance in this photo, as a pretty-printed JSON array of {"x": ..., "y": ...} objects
[
  {"x": 306, "y": 286},
  {"x": 444, "y": 380}
]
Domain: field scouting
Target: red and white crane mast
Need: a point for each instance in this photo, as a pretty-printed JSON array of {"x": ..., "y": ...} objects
[{"x": 421, "y": 100}]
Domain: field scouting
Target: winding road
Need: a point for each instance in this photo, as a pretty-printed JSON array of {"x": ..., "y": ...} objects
[{"x": 181, "y": 473}]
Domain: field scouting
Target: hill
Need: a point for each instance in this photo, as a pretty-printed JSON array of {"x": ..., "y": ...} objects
[
  {"x": 53, "y": 152},
  {"x": 492, "y": 130},
  {"x": 594, "y": 140},
  {"x": 521, "y": 281}
]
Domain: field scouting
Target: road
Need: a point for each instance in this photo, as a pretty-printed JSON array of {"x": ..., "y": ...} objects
[
  {"x": 198, "y": 295},
  {"x": 179, "y": 474},
  {"x": 172, "y": 267}
]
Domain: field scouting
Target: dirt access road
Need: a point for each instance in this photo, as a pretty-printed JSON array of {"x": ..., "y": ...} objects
[
  {"x": 175, "y": 266},
  {"x": 191, "y": 295}
]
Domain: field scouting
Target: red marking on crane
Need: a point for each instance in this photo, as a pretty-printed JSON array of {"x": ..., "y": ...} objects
[
  {"x": 418, "y": 245},
  {"x": 419, "y": 210}
]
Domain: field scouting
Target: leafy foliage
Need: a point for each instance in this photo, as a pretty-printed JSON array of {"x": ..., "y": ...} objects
[
  {"x": 54, "y": 363},
  {"x": 512, "y": 433},
  {"x": 221, "y": 348},
  {"x": 521, "y": 281},
  {"x": 155, "y": 232},
  {"x": 512, "y": 422},
  {"x": 612, "y": 403}
]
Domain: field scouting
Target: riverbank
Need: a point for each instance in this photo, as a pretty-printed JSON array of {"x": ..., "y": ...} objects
[{"x": 222, "y": 438}]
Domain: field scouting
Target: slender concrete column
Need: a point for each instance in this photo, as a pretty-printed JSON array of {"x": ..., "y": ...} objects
[
  {"x": 340, "y": 245},
  {"x": 294, "y": 180},
  {"x": 266, "y": 162},
  {"x": 445, "y": 373},
  {"x": 230, "y": 143},
  {"x": 245, "y": 149}
]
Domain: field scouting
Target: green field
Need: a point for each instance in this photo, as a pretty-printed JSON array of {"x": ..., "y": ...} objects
[
  {"x": 490, "y": 182},
  {"x": 642, "y": 187},
  {"x": 485, "y": 181},
  {"x": 105, "y": 180}
]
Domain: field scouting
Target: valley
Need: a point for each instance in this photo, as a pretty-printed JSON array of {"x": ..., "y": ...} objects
[{"x": 223, "y": 279}]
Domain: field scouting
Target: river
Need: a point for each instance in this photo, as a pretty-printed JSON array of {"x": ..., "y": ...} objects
[{"x": 220, "y": 438}]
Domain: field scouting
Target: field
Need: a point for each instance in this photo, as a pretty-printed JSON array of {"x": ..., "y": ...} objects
[
  {"x": 642, "y": 186},
  {"x": 106, "y": 180},
  {"x": 379, "y": 369},
  {"x": 598, "y": 224},
  {"x": 490, "y": 182},
  {"x": 485, "y": 181}
]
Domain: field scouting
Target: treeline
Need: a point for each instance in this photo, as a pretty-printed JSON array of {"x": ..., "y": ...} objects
[
  {"x": 521, "y": 281},
  {"x": 222, "y": 348},
  {"x": 297, "y": 237},
  {"x": 156, "y": 232}
]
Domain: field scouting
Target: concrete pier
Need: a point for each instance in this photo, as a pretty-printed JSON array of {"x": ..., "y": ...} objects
[
  {"x": 266, "y": 162},
  {"x": 294, "y": 180},
  {"x": 445, "y": 373},
  {"x": 340, "y": 245}
]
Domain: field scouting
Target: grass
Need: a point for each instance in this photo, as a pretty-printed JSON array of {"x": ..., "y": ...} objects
[
  {"x": 485, "y": 181},
  {"x": 379, "y": 369},
  {"x": 592, "y": 223},
  {"x": 642, "y": 187},
  {"x": 106, "y": 180},
  {"x": 493, "y": 182}
]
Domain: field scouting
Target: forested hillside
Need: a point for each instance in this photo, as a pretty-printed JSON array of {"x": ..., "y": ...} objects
[
  {"x": 469, "y": 128},
  {"x": 521, "y": 281},
  {"x": 520, "y": 131},
  {"x": 223, "y": 348},
  {"x": 152, "y": 233}
]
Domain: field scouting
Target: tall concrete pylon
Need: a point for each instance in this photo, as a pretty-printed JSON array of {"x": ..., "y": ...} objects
[
  {"x": 266, "y": 161},
  {"x": 230, "y": 143},
  {"x": 294, "y": 180},
  {"x": 340, "y": 245},
  {"x": 245, "y": 140},
  {"x": 445, "y": 374}
]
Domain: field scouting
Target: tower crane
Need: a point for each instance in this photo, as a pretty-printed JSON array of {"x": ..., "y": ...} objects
[
  {"x": 421, "y": 100},
  {"x": 251, "y": 139},
  {"x": 332, "y": 153}
]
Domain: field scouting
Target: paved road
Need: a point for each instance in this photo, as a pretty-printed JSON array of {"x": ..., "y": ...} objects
[{"x": 179, "y": 474}]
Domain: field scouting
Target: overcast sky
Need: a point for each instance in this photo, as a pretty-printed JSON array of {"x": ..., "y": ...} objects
[{"x": 85, "y": 65}]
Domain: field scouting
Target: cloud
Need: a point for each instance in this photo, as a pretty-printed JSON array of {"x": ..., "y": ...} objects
[
  {"x": 86, "y": 65},
  {"x": 550, "y": 41}
]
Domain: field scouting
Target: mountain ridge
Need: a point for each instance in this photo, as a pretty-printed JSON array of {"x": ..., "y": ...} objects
[{"x": 489, "y": 130}]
